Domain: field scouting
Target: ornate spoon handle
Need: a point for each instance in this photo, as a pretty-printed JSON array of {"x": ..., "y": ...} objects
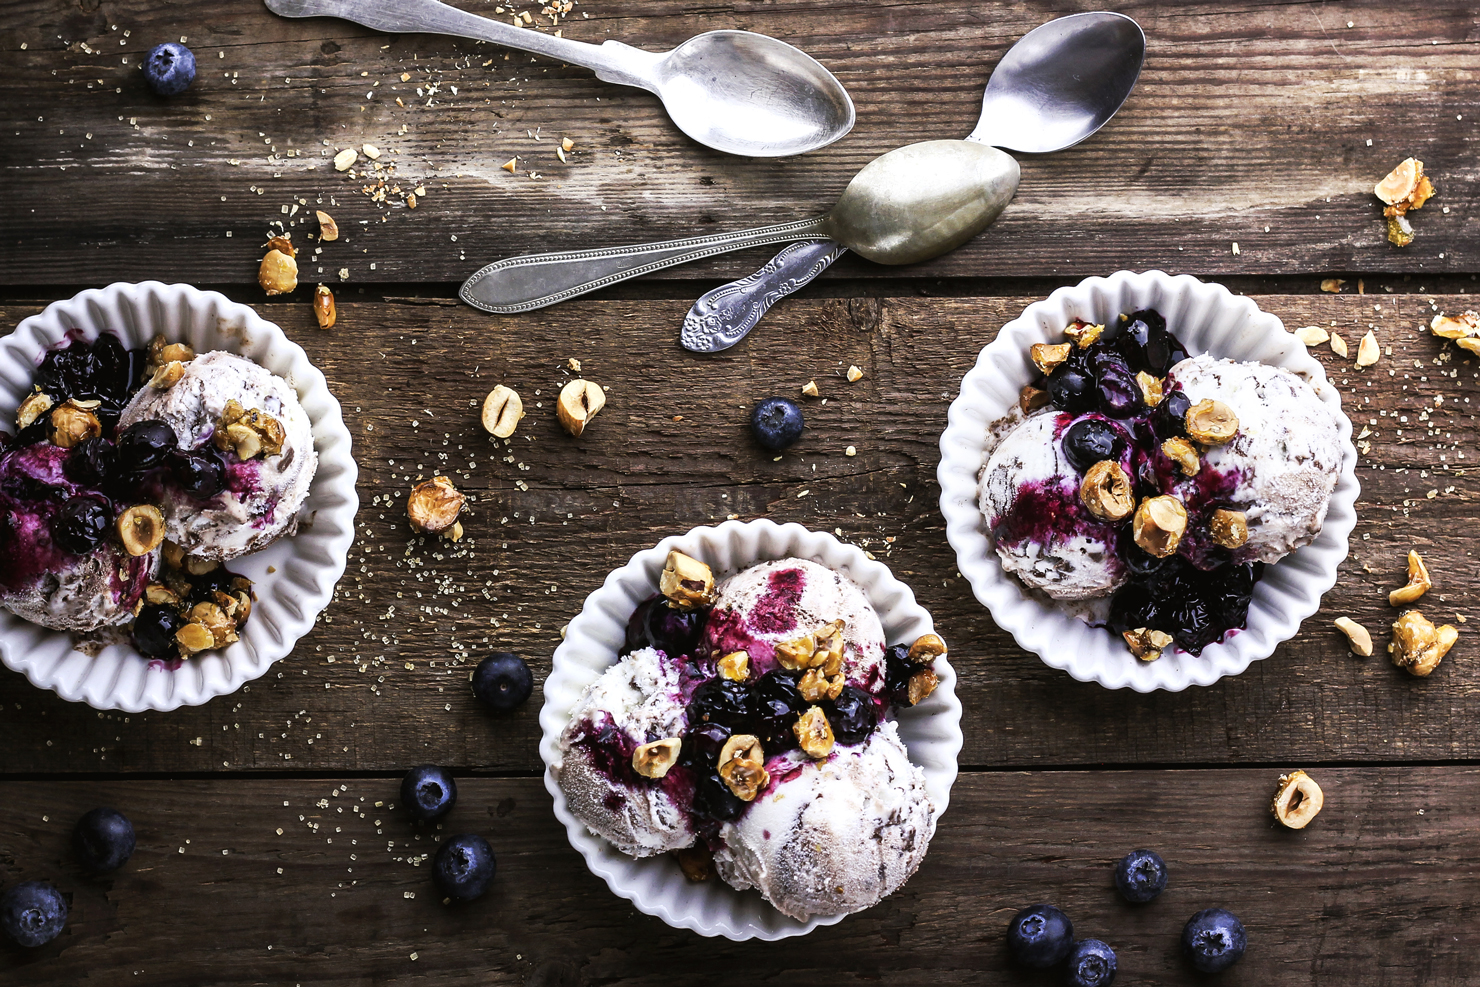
[{"x": 722, "y": 317}]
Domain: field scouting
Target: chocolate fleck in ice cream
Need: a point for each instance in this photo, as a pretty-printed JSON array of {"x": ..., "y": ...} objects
[{"x": 267, "y": 478}]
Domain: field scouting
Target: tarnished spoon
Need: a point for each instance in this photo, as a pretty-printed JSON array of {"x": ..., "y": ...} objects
[
  {"x": 734, "y": 91},
  {"x": 1032, "y": 103},
  {"x": 911, "y": 204}
]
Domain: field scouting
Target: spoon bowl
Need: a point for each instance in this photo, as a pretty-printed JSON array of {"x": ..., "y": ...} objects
[{"x": 750, "y": 94}]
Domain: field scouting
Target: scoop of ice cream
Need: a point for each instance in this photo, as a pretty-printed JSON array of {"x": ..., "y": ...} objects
[
  {"x": 1279, "y": 470},
  {"x": 777, "y": 602},
  {"x": 39, "y": 580},
  {"x": 634, "y": 702},
  {"x": 264, "y": 493},
  {"x": 1042, "y": 531},
  {"x": 835, "y": 835}
]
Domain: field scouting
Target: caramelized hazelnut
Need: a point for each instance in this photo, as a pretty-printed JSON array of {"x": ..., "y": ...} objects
[
  {"x": 686, "y": 582},
  {"x": 1106, "y": 491},
  {"x": 1297, "y": 801},
  {"x": 1211, "y": 422},
  {"x": 433, "y": 506},
  {"x": 1159, "y": 525},
  {"x": 653, "y": 760},
  {"x": 1230, "y": 529}
]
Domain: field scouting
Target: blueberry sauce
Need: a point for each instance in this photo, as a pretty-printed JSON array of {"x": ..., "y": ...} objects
[{"x": 1202, "y": 593}]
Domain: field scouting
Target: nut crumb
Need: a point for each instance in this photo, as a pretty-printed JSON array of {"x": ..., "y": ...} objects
[
  {"x": 1312, "y": 335},
  {"x": 328, "y": 229},
  {"x": 734, "y": 666},
  {"x": 854, "y": 374},
  {"x": 1332, "y": 285},
  {"x": 510, "y": 165},
  {"x": 810, "y": 389},
  {"x": 1359, "y": 640},
  {"x": 1419, "y": 582},
  {"x": 1368, "y": 350},
  {"x": 1031, "y": 398},
  {"x": 1338, "y": 345}
]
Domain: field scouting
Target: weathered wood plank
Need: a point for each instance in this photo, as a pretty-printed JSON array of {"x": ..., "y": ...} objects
[
  {"x": 1375, "y": 891},
  {"x": 410, "y": 378},
  {"x": 1265, "y": 125}
]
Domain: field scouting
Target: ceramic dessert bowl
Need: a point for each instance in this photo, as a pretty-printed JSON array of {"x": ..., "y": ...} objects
[
  {"x": 293, "y": 578},
  {"x": 1207, "y": 318},
  {"x": 593, "y": 642}
]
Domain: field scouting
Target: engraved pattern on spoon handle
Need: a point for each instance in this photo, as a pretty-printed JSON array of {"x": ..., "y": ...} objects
[
  {"x": 723, "y": 317},
  {"x": 531, "y": 281}
]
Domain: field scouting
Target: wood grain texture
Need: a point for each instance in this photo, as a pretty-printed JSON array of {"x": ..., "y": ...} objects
[
  {"x": 1261, "y": 124},
  {"x": 382, "y": 681},
  {"x": 1375, "y": 892}
]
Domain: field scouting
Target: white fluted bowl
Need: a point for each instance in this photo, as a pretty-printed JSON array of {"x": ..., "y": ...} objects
[
  {"x": 593, "y": 641},
  {"x": 307, "y": 565},
  {"x": 1207, "y": 318}
]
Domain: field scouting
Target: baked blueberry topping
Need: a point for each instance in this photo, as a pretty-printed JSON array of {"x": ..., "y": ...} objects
[
  {"x": 854, "y": 714},
  {"x": 1040, "y": 936},
  {"x": 103, "y": 840},
  {"x": 428, "y": 792},
  {"x": 80, "y": 525},
  {"x": 154, "y": 630},
  {"x": 502, "y": 681},
  {"x": 200, "y": 473},
  {"x": 776, "y": 704},
  {"x": 464, "y": 867},
  {"x": 143, "y": 445}
]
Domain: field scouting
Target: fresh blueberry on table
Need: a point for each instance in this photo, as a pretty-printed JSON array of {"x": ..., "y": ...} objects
[
  {"x": 1214, "y": 940},
  {"x": 1140, "y": 876},
  {"x": 428, "y": 791},
  {"x": 1091, "y": 964},
  {"x": 776, "y": 422},
  {"x": 169, "y": 69},
  {"x": 33, "y": 913},
  {"x": 103, "y": 839},
  {"x": 1040, "y": 936},
  {"x": 502, "y": 681},
  {"x": 464, "y": 867}
]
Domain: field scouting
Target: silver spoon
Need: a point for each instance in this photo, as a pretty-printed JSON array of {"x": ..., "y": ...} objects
[
  {"x": 734, "y": 91},
  {"x": 1031, "y": 104},
  {"x": 911, "y": 204}
]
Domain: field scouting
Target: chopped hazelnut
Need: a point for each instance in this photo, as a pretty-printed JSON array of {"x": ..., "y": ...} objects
[
  {"x": 33, "y": 407},
  {"x": 1230, "y": 528},
  {"x": 167, "y": 375},
  {"x": 324, "y": 311},
  {"x": 1159, "y": 525},
  {"x": 1211, "y": 422},
  {"x": 1297, "y": 801},
  {"x": 579, "y": 402},
  {"x": 922, "y": 683},
  {"x": 814, "y": 733},
  {"x": 1418, "y": 646},
  {"x": 854, "y": 374},
  {"x": 1338, "y": 345},
  {"x": 1455, "y": 327},
  {"x": 161, "y": 594},
  {"x": 815, "y": 685},
  {"x": 809, "y": 389},
  {"x": 454, "y": 533},
  {"x": 686, "y": 582},
  {"x": 197, "y": 566},
  {"x": 1147, "y": 644},
  {"x": 1151, "y": 388},
  {"x": 1419, "y": 582},
  {"x": 1181, "y": 452},
  {"x": 734, "y": 666},
  {"x": 828, "y": 655},
  {"x": 696, "y": 862},
  {"x": 215, "y": 620},
  {"x": 653, "y": 760},
  {"x": 1312, "y": 335},
  {"x": 249, "y": 433},
  {"x": 1031, "y": 398},
  {"x": 433, "y": 506},
  {"x": 73, "y": 424},
  {"x": 328, "y": 229},
  {"x": 1106, "y": 491},
  {"x": 1047, "y": 356},
  {"x": 278, "y": 273},
  {"x": 797, "y": 654},
  {"x": 1367, "y": 350},
  {"x": 141, "y": 529},
  {"x": 502, "y": 411},
  {"x": 194, "y": 638},
  {"x": 173, "y": 555},
  {"x": 742, "y": 766},
  {"x": 1356, "y": 635},
  {"x": 1400, "y": 183},
  {"x": 1082, "y": 334},
  {"x": 926, "y": 649}
]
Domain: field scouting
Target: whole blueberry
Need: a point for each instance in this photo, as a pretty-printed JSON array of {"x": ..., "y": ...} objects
[
  {"x": 1040, "y": 936},
  {"x": 200, "y": 474},
  {"x": 80, "y": 525},
  {"x": 1170, "y": 418},
  {"x": 169, "y": 69},
  {"x": 91, "y": 463},
  {"x": 1140, "y": 876},
  {"x": 853, "y": 715},
  {"x": 464, "y": 867},
  {"x": 33, "y": 913},
  {"x": 656, "y": 624},
  {"x": 1071, "y": 389},
  {"x": 897, "y": 672},
  {"x": 502, "y": 681},
  {"x": 702, "y": 744},
  {"x": 154, "y": 630},
  {"x": 713, "y": 799},
  {"x": 721, "y": 701},
  {"x": 1092, "y": 440},
  {"x": 143, "y": 445},
  {"x": 103, "y": 839},
  {"x": 1214, "y": 940},
  {"x": 775, "y": 705},
  {"x": 1091, "y": 964},
  {"x": 776, "y": 422},
  {"x": 428, "y": 791}
]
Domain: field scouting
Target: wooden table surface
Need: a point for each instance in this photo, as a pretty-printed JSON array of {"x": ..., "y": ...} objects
[{"x": 265, "y": 853}]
